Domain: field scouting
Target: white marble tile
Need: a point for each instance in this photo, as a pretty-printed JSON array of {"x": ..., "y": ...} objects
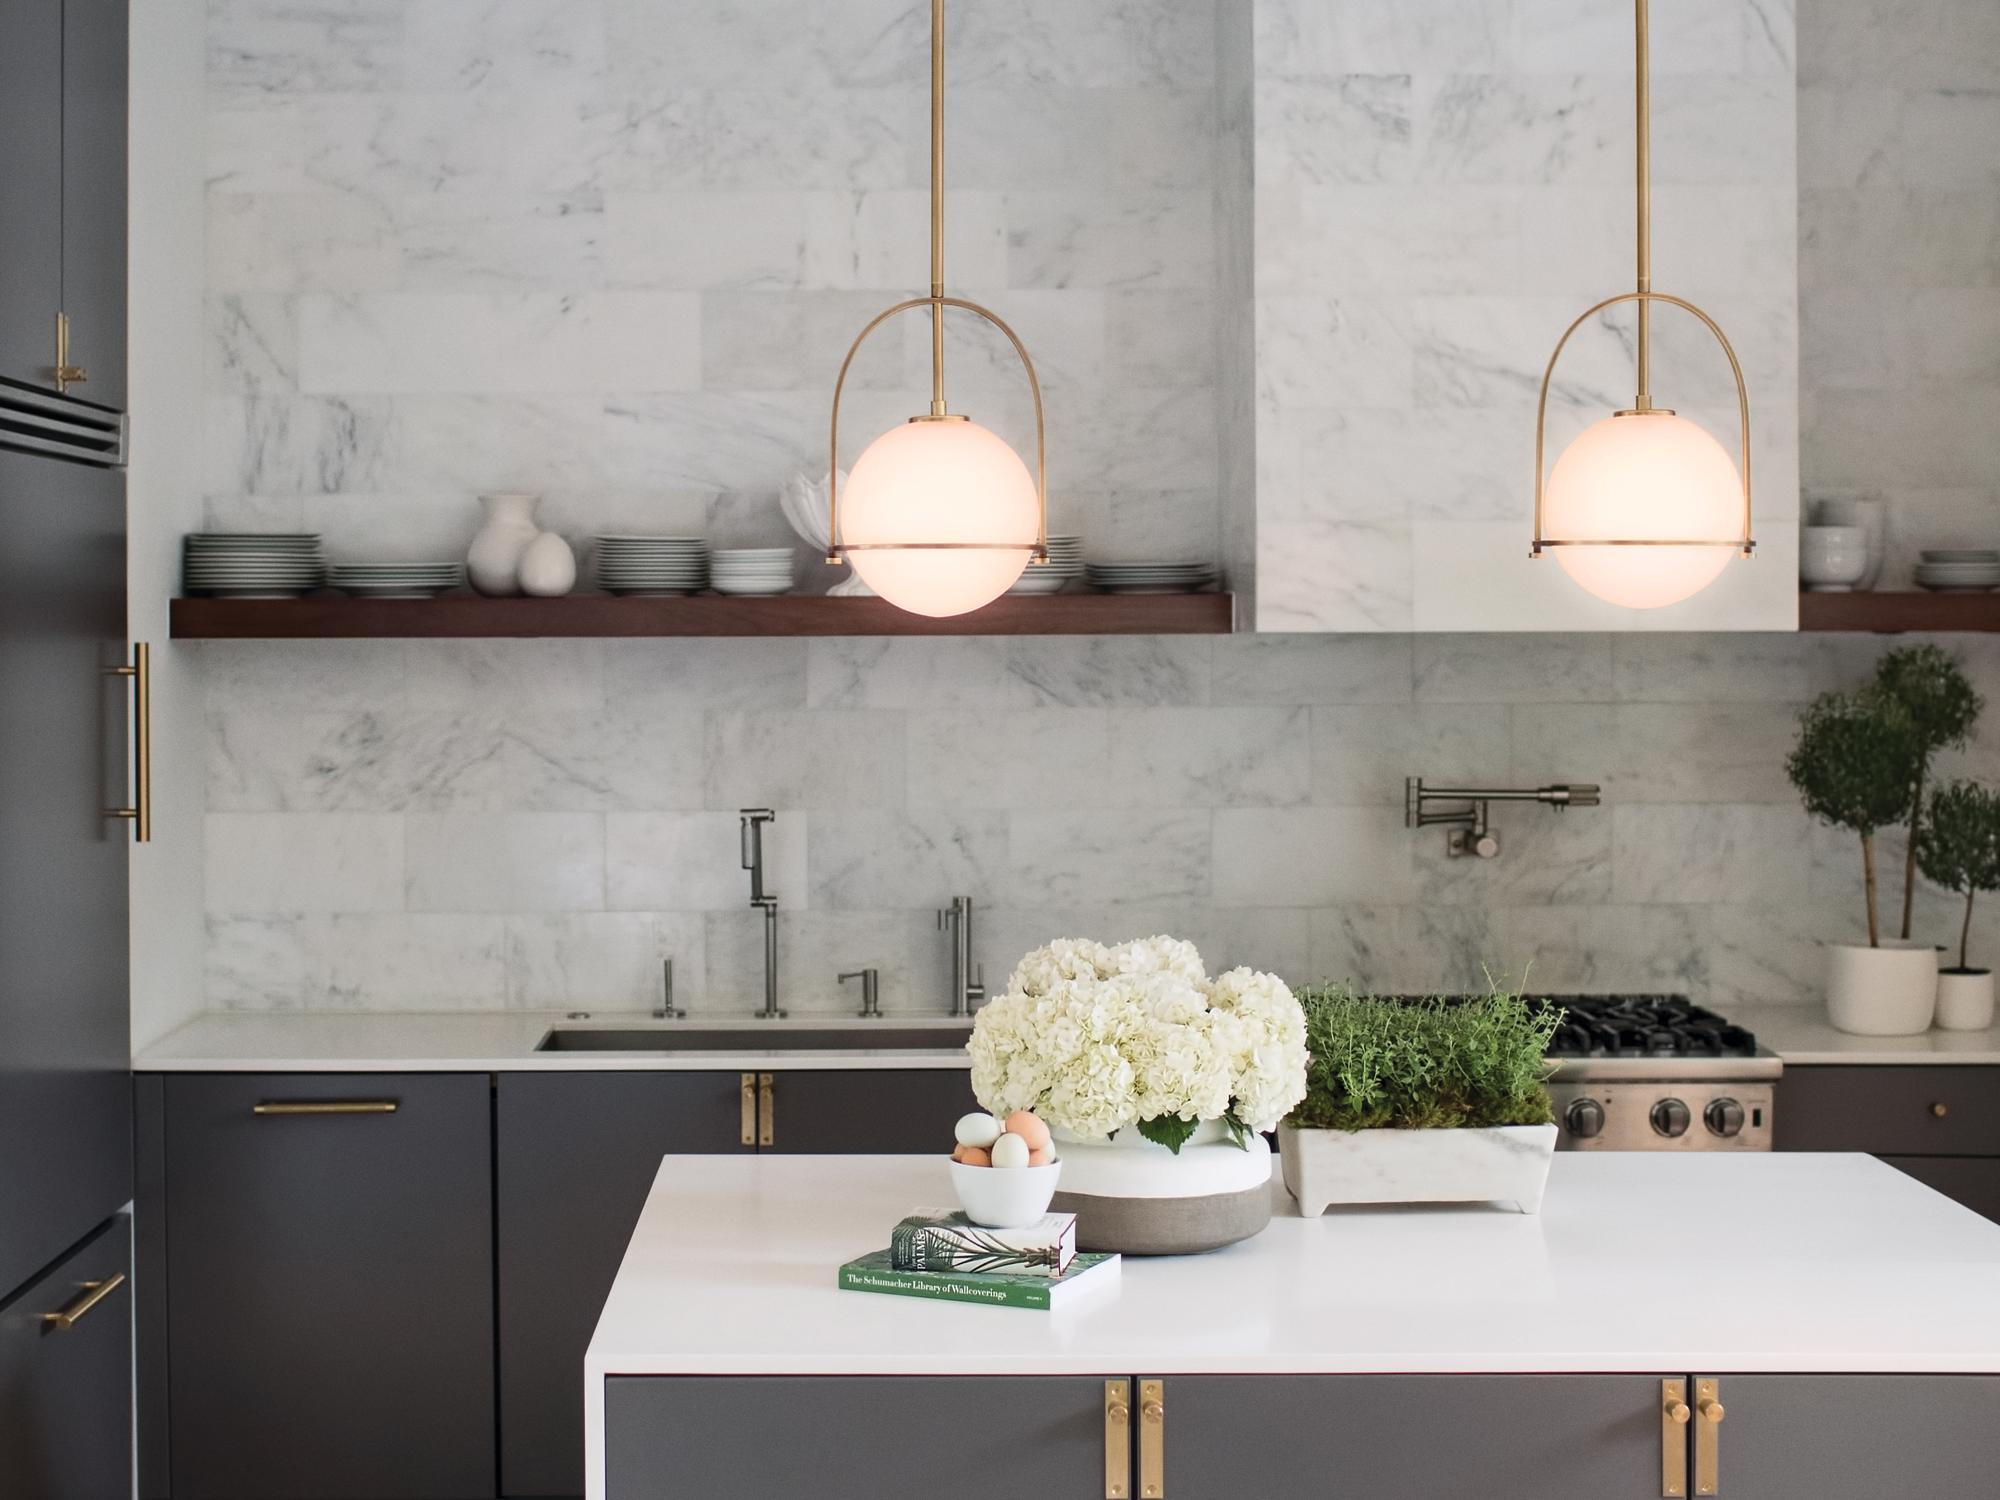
[
  {"x": 302, "y": 676},
  {"x": 1275, "y": 940},
  {"x": 654, "y": 679},
  {"x": 1307, "y": 39},
  {"x": 1207, "y": 757},
  {"x": 814, "y": 948},
  {"x": 1402, "y": 950},
  {"x": 1925, "y": 44},
  {"x": 604, "y": 960},
  {"x": 784, "y": 341},
  {"x": 1605, "y": 949},
  {"x": 914, "y": 861},
  {"x": 617, "y": 761},
  {"x": 272, "y": 445},
  {"x": 1145, "y": 855},
  {"x": 270, "y": 962},
  {"x": 823, "y": 761},
  {"x": 1718, "y": 854},
  {"x": 1311, "y": 856},
  {"x": 1709, "y": 669},
  {"x": 1725, "y": 752},
  {"x": 1336, "y": 669},
  {"x": 1362, "y": 753},
  {"x": 1513, "y": 669},
  {"x": 1159, "y": 239},
  {"x": 300, "y": 46},
  {"x": 693, "y": 861},
  {"x": 1024, "y": 758},
  {"x": 1347, "y": 127},
  {"x": 458, "y": 242},
  {"x": 1327, "y": 574},
  {"x": 513, "y": 862},
  {"x": 302, "y": 862},
  {"x": 504, "y": 676},
  {"x": 1546, "y": 858},
  {"x": 413, "y": 961},
  {"x": 389, "y": 761},
  {"x": 676, "y": 137},
  {"x": 1344, "y": 353}
]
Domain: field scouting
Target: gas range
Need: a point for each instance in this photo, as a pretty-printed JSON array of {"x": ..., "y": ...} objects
[{"x": 1658, "y": 1073}]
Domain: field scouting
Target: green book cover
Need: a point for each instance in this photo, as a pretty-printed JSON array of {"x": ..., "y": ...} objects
[
  {"x": 876, "y": 1272},
  {"x": 945, "y": 1239}
]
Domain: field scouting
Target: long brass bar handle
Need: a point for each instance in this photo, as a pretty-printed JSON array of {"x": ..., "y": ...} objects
[
  {"x": 140, "y": 813},
  {"x": 324, "y": 1107},
  {"x": 65, "y": 373},
  {"x": 92, "y": 1293},
  {"x": 767, "y": 1109},
  {"x": 749, "y": 1082}
]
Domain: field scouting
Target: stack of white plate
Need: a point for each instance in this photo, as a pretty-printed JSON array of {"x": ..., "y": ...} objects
[
  {"x": 751, "y": 570},
  {"x": 1151, "y": 577},
  {"x": 1955, "y": 570},
  {"x": 1065, "y": 563},
  {"x": 252, "y": 565},
  {"x": 652, "y": 565},
  {"x": 396, "y": 580}
]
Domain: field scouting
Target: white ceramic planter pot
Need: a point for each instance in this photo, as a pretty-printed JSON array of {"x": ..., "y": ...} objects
[
  {"x": 1885, "y": 991},
  {"x": 1139, "y": 1198},
  {"x": 548, "y": 568},
  {"x": 1965, "y": 999},
  {"x": 1504, "y": 1164},
  {"x": 493, "y": 561}
]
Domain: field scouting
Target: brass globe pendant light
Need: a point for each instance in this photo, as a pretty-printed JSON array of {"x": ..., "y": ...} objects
[
  {"x": 1645, "y": 508},
  {"x": 939, "y": 515}
]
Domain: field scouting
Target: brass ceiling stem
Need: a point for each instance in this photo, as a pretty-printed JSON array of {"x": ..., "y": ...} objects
[
  {"x": 937, "y": 208},
  {"x": 1644, "y": 400}
]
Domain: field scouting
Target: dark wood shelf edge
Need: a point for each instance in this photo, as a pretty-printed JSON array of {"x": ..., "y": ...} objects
[
  {"x": 1894, "y": 613},
  {"x": 466, "y": 617}
]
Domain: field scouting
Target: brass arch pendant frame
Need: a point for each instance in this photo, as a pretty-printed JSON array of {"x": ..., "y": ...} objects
[
  {"x": 937, "y": 302},
  {"x": 1645, "y": 297}
]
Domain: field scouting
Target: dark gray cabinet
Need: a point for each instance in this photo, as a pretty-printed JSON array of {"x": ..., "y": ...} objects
[
  {"x": 65, "y": 1089},
  {"x": 1811, "y": 1437},
  {"x": 328, "y": 1286},
  {"x": 882, "y": 1112},
  {"x": 65, "y": 1376},
  {"x": 1941, "y": 1124},
  {"x": 31, "y": 79}
]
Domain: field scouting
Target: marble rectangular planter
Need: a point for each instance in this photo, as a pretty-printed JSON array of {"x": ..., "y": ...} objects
[{"x": 1507, "y": 1164}]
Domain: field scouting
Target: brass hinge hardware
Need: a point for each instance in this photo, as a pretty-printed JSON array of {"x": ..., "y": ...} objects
[
  {"x": 90, "y": 1294},
  {"x": 1674, "y": 1416},
  {"x": 1117, "y": 1440},
  {"x": 324, "y": 1107},
  {"x": 1152, "y": 1439},
  {"x": 767, "y": 1109},
  {"x": 1707, "y": 1437},
  {"x": 749, "y": 1085},
  {"x": 65, "y": 373}
]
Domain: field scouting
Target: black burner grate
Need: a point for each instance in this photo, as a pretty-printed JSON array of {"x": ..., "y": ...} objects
[{"x": 1644, "y": 1026}]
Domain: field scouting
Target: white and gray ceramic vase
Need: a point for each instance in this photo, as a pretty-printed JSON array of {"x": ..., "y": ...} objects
[
  {"x": 493, "y": 562},
  {"x": 548, "y": 567}
]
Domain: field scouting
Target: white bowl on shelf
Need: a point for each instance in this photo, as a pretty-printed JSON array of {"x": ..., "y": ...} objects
[
  {"x": 1004, "y": 1197},
  {"x": 1832, "y": 559}
]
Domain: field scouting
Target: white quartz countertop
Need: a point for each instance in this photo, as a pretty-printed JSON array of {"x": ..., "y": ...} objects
[
  {"x": 505, "y": 1042},
  {"x": 1802, "y": 1035}
]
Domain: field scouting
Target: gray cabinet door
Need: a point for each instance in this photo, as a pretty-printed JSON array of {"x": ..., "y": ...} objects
[
  {"x": 864, "y": 1438},
  {"x": 576, "y": 1154},
  {"x": 1903, "y": 1111},
  {"x": 330, "y": 1288},
  {"x": 1412, "y": 1437},
  {"x": 93, "y": 196},
  {"x": 856, "y": 1112},
  {"x": 1827, "y": 1437},
  {"x": 65, "y": 1044},
  {"x": 66, "y": 1391},
  {"x": 30, "y": 188}
]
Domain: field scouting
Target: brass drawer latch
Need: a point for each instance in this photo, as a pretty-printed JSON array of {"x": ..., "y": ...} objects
[{"x": 1117, "y": 1440}]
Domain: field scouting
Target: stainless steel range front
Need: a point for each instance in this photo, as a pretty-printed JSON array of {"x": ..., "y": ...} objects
[{"x": 1658, "y": 1073}]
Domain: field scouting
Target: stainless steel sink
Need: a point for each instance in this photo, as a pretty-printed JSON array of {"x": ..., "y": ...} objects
[{"x": 756, "y": 1038}]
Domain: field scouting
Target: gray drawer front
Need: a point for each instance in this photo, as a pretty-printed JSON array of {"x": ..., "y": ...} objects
[
  {"x": 1873, "y": 1437},
  {"x": 1890, "y": 1111}
]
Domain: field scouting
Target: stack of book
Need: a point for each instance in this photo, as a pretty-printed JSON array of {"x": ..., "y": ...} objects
[{"x": 941, "y": 1254}]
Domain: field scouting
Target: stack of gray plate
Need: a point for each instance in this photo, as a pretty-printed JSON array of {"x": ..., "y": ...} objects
[
  {"x": 252, "y": 565},
  {"x": 1065, "y": 563},
  {"x": 652, "y": 565},
  {"x": 1151, "y": 577},
  {"x": 1960, "y": 570},
  {"x": 396, "y": 580},
  {"x": 752, "y": 570}
]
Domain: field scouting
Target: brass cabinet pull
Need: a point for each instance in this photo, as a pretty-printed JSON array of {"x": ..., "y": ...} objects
[
  {"x": 140, "y": 813},
  {"x": 1940, "y": 1109},
  {"x": 91, "y": 1293},
  {"x": 1117, "y": 1440},
  {"x": 767, "y": 1109},
  {"x": 324, "y": 1107},
  {"x": 1674, "y": 1414},
  {"x": 749, "y": 1109},
  {"x": 65, "y": 373},
  {"x": 1708, "y": 1437},
  {"x": 1152, "y": 1439}
]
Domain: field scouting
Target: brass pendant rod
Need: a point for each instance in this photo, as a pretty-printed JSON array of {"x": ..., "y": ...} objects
[
  {"x": 1643, "y": 28},
  {"x": 938, "y": 408}
]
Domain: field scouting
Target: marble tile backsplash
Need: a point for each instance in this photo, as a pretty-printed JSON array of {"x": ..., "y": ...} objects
[{"x": 541, "y": 823}]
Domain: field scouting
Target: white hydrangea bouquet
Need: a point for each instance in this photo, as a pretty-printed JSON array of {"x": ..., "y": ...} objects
[{"x": 1095, "y": 1038}]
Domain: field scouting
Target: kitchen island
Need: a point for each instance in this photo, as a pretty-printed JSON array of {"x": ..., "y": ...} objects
[{"x": 1843, "y": 1317}]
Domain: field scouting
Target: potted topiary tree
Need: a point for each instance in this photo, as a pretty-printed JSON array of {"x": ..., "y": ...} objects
[
  {"x": 1958, "y": 847},
  {"x": 1856, "y": 758},
  {"x": 1943, "y": 706}
]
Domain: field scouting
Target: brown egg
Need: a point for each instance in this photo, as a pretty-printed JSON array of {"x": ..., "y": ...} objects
[
  {"x": 1042, "y": 1157},
  {"x": 1029, "y": 1128},
  {"x": 972, "y": 1156}
]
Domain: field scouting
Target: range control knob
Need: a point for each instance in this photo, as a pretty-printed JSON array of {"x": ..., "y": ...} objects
[
  {"x": 1584, "y": 1119},
  {"x": 1670, "y": 1117},
  {"x": 1723, "y": 1117}
]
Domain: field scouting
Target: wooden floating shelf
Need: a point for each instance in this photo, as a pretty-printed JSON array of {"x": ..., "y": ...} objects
[
  {"x": 469, "y": 616},
  {"x": 1894, "y": 613}
]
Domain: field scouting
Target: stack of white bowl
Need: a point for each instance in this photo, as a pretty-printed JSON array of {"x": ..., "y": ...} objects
[
  {"x": 1065, "y": 563},
  {"x": 751, "y": 570},
  {"x": 396, "y": 580},
  {"x": 252, "y": 565},
  {"x": 652, "y": 565},
  {"x": 1151, "y": 577},
  {"x": 1959, "y": 570}
]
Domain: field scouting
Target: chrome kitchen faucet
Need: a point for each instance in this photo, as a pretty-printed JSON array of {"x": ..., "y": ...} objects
[
  {"x": 1468, "y": 833},
  {"x": 754, "y": 819},
  {"x": 966, "y": 990}
]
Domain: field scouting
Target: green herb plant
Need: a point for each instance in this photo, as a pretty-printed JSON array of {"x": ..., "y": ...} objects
[
  {"x": 1392, "y": 1064},
  {"x": 1943, "y": 706},
  {"x": 1958, "y": 847},
  {"x": 1856, "y": 759}
]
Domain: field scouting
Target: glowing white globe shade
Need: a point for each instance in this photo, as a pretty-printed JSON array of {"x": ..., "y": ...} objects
[
  {"x": 939, "y": 481},
  {"x": 1649, "y": 475}
]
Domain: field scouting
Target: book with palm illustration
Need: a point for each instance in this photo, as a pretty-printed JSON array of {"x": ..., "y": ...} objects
[
  {"x": 944, "y": 1239},
  {"x": 874, "y": 1273}
]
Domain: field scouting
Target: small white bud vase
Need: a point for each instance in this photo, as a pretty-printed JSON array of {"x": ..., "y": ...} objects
[
  {"x": 1965, "y": 999},
  {"x": 548, "y": 567},
  {"x": 493, "y": 562}
]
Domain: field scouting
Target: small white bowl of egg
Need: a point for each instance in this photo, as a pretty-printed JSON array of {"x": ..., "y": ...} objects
[{"x": 1005, "y": 1171}]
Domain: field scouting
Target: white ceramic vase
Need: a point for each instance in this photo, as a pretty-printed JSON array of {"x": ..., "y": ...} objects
[
  {"x": 493, "y": 561},
  {"x": 1887, "y": 991},
  {"x": 1139, "y": 1198},
  {"x": 1871, "y": 516},
  {"x": 1965, "y": 999},
  {"x": 548, "y": 567},
  {"x": 1503, "y": 1164}
]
